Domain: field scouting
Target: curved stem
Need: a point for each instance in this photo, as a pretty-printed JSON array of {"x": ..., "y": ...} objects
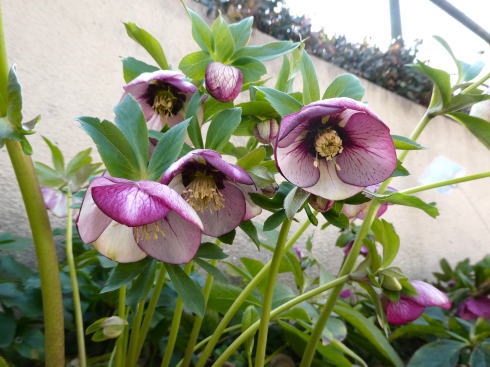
[
  {"x": 277, "y": 311},
  {"x": 82, "y": 357},
  {"x": 269, "y": 293},
  {"x": 453, "y": 181},
  {"x": 242, "y": 298},
  {"x": 174, "y": 327},
  {"x": 476, "y": 84}
]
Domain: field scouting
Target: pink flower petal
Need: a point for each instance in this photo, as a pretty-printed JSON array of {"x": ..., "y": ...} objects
[
  {"x": 369, "y": 155},
  {"x": 403, "y": 311},
  {"x": 329, "y": 186},
  {"x": 179, "y": 243},
  {"x": 91, "y": 221},
  {"x": 428, "y": 295},
  {"x": 55, "y": 201},
  {"x": 251, "y": 209},
  {"x": 223, "y": 82},
  {"x": 117, "y": 243},
  {"x": 480, "y": 306}
]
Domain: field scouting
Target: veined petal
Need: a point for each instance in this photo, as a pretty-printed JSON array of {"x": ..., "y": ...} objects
[
  {"x": 329, "y": 186},
  {"x": 428, "y": 295},
  {"x": 91, "y": 221},
  {"x": 177, "y": 245},
  {"x": 369, "y": 155},
  {"x": 117, "y": 243},
  {"x": 223, "y": 82},
  {"x": 403, "y": 311},
  {"x": 251, "y": 209}
]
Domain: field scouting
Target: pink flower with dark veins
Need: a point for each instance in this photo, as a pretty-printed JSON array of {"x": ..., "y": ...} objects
[
  {"x": 162, "y": 95},
  {"x": 217, "y": 190},
  {"x": 266, "y": 131},
  {"x": 410, "y": 308},
  {"x": 127, "y": 220},
  {"x": 334, "y": 148},
  {"x": 223, "y": 82}
]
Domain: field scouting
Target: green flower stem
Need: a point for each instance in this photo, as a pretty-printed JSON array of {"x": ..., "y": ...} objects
[
  {"x": 277, "y": 311},
  {"x": 453, "y": 181},
  {"x": 174, "y": 327},
  {"x": 203, "y": 342},
  {"x": 415, "y": 135},
  {"x": 476, "y": 84},
  {"x": 120, "y": 343},
  {"x": 275, "y": 354},
  {"x": 135, "y": 334},
  {"x": 243, "y": 296},
  {"x": 54, "y": 338},
  {"x": 82, "y": 357},
  {"x": 269, "y": 293},
  {"x": 196, "y": 327},
  {"x": 150, "y": 310}
]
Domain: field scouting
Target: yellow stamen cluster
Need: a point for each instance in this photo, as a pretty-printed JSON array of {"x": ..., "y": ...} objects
[
  {"x": 202, "y": 193},
  {"x": 149, "y": 231},
  {"x": 328, "y": 144},
  {"x": 164, "y": 102}
]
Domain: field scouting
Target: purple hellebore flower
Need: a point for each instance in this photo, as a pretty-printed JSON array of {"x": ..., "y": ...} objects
[
  {"x": 409, "y": 308},
  {"x": 126, "y": 220},
  {"x": 216, "y": 189},
  {"x": 266, "y": 131},
  {"x": 476, "y": 307},
  {"x": 298, "y": 252},
  {"x": 334, "y": 148},
  {"x": 162, "y": 95},
  {"x": 223, "y": 82},
  {"x": 55, "y": 201}
]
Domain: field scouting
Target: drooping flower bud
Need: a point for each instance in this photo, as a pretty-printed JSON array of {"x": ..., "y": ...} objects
[
  {"x": 266, "y": 131},
  {"x": 223, "y": 82},
  {"x": 391, "y": 283},
  {"x": 320, "y": 204}
]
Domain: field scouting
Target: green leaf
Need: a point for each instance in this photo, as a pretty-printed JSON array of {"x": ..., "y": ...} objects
[
  {"x": 223, "y": 295},
  {"x": 404, "y": 143},
  {"x": 213, "y": 106},
  {"x": 123, "y": 273},
  {"x": 132, "y": 123},
  {"x": 386, "y": 235},
  {"x": 282, "y": 82},
  {"x": 201, "y": 32},
  {"x": 187, "y": 289},
  {"x": 441, "y": 353},
  {"x": 113, "y": 147},
  {"x": 336, "y": 218},
  {"x": 450, "y": 52},
  {"x": 400, "y": 170},
  {"x": 149, "y": 43},
  {"x": 48, "y": 176},
  {"x": 478, "y": 127},
  {"x": 311, "y": 89},
  {"x": 132, "y": 68},
  {"x": 252, "y": 158},
  {"x": 224, "y": 45},
  {"x": 222, "y": 127},
  {"x": 267, "y": 52},
  {"x": 241, "y": 31},
  {"x": 480, "y": 357},
  {"x": 409, "y": 200},
  {"x": 142, "y": 285},
  {"x": 275, "y": 220},
  {"x": 440, "y": 78},
  {"x": 14, "y": 99},
  {"x": 194, "y": 64},
  {"x": 252, "y": 69},
  {"x": 367, "y": 328},
  {"x": 80, "y": 160},
  {"x": 228, "y": 237},
  {"x": 294, "y": 200},
  {"x": 470, "y": 71},
  {"x": 11, "y": 243},
  {"x": 282, "y": 102},
  {"x": 9, "y": 325},
  {"x": 249, "y": 316},
  {"x": 56, "y": 156},
  {"x": 411, "y": 330},
  {"x": 251, "y": 231},
  {"x": 211, "y": 270},
  {"x": 168, "y": 149},
  {"x": 465, "y": 100},
  {"x": 345, "y": 85},
  {"x": 209, "y": 250},
  {"x": 31, "y": 124}
]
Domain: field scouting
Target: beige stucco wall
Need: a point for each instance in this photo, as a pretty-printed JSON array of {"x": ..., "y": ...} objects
[{"x": 67, "y": 54}]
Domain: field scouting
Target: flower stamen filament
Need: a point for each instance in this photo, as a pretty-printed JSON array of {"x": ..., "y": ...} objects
[
  {"x": 328, "y": 144},
  {"x": 203, "y": 193}
]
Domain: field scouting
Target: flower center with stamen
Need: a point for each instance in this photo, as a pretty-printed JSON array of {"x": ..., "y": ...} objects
[
  {"x": 164, "y": 101},
  {"x": 151, "y": 231},
  {"x": 328, "y": 144},
  {"x": 202, "y": 193}
]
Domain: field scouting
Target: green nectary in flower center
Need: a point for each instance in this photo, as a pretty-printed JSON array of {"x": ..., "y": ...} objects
[
  {"x": 328, "y": 144},
  {"x": 203, "y": 193}
]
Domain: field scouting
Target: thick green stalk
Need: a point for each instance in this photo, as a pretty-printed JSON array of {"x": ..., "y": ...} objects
[
  {"x": 277, "y": 311},
  {"x": 174, "y": 327},
  {"x": 453, "y": 181},
  {"x": 476, "y": 84},
  {"x": 196, "y": 327},
  {"x": 54, "y": 339},
  {"x": 77, "y": 308},
  {"x": 243, "y": 297},
  {"x": 120, "y": 343},
  {"x": 135, "y": 334},
  {"x": 269, "y": 293},
  {"x": 150, "y": 310}
]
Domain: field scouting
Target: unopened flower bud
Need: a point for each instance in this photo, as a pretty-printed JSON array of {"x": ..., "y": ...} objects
[
  {"x": 266, "y": 131},
  {"x": 391, "y": 283},
  {"x": 223, "y": 82},
  {"x": 320, "y": 204},
  {"x": 113, "y": 326}
]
